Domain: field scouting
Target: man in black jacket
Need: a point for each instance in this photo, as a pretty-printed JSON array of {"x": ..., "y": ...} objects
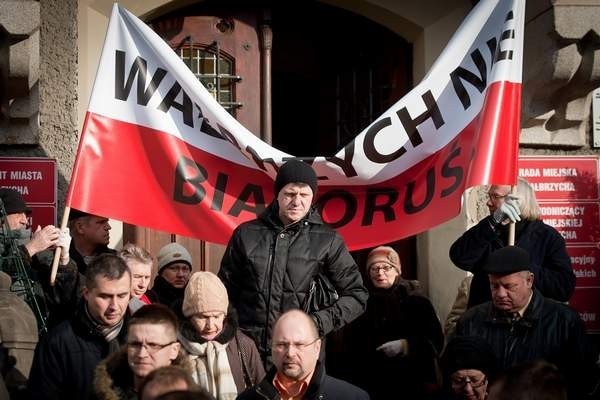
[
  {"x": 522, "y": 325},
  {"x": 271, "y": 262},
  {"x": 550, "y": 263},
  {"x": 64, "y": 361},
  {"x": 297, "y": 372}
]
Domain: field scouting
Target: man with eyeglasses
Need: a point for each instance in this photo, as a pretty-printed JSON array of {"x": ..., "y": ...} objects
[
  {"x": 65, "y": 359},
  {"x": 174, "y": 270},
  {"x": 297, "y": 372},
  {"x": 550, "y": 263},
  {"x": 522, "y": 325},
  {"x": 151, "y": 344}
]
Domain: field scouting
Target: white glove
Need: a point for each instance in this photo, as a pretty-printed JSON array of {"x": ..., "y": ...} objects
[
  {"x": 64, "y": 242},
  {"x": 509, "y": 210},
  {"x": 394, "y": 348}
]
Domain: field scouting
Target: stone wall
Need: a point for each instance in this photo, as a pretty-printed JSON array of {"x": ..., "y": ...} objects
[
  {"x": 38, "y": 82},
  {"x": 19, "y": 72},
  {"x": 58, "y": 87}
]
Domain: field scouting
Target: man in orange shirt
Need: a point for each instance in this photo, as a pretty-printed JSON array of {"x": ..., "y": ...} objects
[{"x": 297, "y": 373}]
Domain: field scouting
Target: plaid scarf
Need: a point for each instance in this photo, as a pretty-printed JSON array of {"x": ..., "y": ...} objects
[
  {"x": 211, "y": 367},
  {"x": 109, "y": 333}
]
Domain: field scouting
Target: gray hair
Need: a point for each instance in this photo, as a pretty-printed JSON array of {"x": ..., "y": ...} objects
[
  {"x": 131, "y": 252},
  {"x": 530, "y": 210}
]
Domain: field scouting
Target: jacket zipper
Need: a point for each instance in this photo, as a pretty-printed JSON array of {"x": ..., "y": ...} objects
[{"x": 270, "y": 282}]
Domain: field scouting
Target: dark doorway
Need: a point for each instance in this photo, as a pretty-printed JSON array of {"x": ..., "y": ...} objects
[{"x": 334, "y": 72}]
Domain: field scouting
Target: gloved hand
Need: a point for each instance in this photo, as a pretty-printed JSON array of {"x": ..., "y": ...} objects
[
  {"x": 394, "y": 348},
  {"x": 508, "y": 210},
  {"x": 64, "y": 242}
]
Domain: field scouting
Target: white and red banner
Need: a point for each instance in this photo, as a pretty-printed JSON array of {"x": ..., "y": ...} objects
[{"x": 158, "y": 151}]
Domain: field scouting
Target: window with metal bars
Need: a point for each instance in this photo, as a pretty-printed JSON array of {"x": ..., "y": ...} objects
[{"x": 215, "y": 69}]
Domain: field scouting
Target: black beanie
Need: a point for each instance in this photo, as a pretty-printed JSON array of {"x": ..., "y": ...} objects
[
  {"x": 507, "y": 260},
  {"x": 295, "y": 171},
  {"x": 469, "y": 352},
  {"x": 13, "y": 202}
]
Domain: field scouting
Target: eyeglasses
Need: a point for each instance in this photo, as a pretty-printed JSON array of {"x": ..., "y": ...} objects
[
  {"x": 179, "y": 268},
  {"x": 475, "y": 381},
  {"x": 151, "y": 348},
  {"x": 376, "y": 268},
  {"x": 284, "y": 346},
  {"x": 496, "y": 197}
]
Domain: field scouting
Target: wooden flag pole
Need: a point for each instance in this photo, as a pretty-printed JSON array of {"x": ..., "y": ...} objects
[
  {"x": 511, "y": 228},
  {"x": 55, "y": 261}
]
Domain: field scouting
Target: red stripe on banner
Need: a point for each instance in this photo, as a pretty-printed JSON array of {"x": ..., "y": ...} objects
[{"x": 146, "y": 177}]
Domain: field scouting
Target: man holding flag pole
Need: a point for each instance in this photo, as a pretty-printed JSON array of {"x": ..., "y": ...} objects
[{"x": 550, "y": 262}]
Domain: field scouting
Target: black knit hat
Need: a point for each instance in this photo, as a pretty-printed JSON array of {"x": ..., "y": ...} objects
[
  {"x": 507, "y": 260},
  {"x": 13, "y": 202},
  {"x": 75, "y": 213},
  {"x": 469, "y": 352},
  {"x": 295, "y": 171}
]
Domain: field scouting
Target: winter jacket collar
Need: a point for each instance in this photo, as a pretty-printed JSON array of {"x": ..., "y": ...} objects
[
  {"x": 114, "y": 379},
  {"x": 167, "y": 293},
  {"x": 530, "y": 317},
  {"x": 271, "y": 217},
  {"x": 229, "y": 328},
  {"x": 266, "y": 388}
]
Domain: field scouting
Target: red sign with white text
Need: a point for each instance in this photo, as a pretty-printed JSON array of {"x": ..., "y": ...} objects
[
  {"x": 577, "y": 222},
  {"x": 36, "y": 180},
  {"x": 587, "y": 302},
  {"x": 561, "y": 178},
  {"x": 586, "y": 265},
  {"x": 568, "y": 195}
]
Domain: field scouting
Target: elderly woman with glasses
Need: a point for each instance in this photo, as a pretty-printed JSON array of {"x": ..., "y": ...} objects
[
  {"x": 398, "y": 337},
  {"x": 151, "y": 343},
  {"x": 468, "y": 366},
  {"x": 224, "y": 361}
]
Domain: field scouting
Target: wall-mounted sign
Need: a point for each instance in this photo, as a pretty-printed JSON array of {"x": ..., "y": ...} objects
[
  {"x": 36, "y": 179},
  {"x": 567, "y": 191}
]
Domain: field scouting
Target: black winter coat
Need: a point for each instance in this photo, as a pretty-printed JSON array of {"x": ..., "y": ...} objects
[
  {"x": 393, "y": 314},
  {"x": 550, "y": 262},
  {"x": 548, "y": 330},
  {"x": 321, "y": 387},
  {"x": 268, "y": 268},
  {"x": 64, "y": 361},
  {"x": 167, "y": 294}
]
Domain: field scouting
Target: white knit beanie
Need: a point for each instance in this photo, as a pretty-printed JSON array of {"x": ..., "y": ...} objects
[
  {"x": 204, "y": 293},
  {"x": 171, "y": 253}
]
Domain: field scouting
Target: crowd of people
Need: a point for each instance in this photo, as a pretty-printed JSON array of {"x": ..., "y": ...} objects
[{"x": 258, "y": 328}]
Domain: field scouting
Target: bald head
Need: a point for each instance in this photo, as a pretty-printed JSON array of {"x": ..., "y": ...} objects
[
  {"x": 296, "y": 345},
  {"x": 297, "y": 318}
]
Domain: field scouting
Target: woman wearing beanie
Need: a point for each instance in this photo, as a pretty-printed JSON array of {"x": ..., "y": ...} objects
[
  {"x": 398, "y": 336},
  {"x": 224, "y": 360},
  {"x": 468, "y": 365}
]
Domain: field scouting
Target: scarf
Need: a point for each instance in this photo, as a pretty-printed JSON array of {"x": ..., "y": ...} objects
[
  {"x": 211, "y": 368},
  {"x": 109, "y": 333}
]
